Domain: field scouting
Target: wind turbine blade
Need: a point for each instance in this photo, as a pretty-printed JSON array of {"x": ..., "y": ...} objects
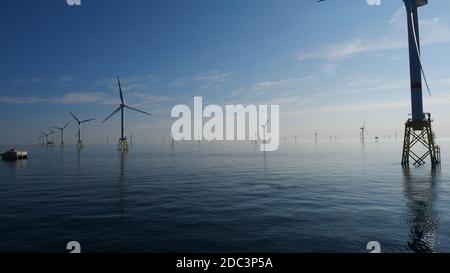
[
  {"x": 50, "y": 129},
  {"x": 418, "y": 54},
  {"x": 268, "y": 121},
  {"x": 84, "y": 121},
  {"x": 58, "y": 128},
  {"x": 120, "y": 90},
  {"x": 137, "y": 110},
  {"x": 66, "y": 125},
  {"x": 74, "y": 117},
  {"x": 113, "y": 113}
]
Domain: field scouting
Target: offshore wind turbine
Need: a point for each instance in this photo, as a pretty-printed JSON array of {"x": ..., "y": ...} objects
[
  {"x": 418, "y": 129},
  {"x": 363, "y": 132},
  {"x": 51, "y": 141},
  {"x": 61, "y": 129},
  {"x": 123, "y": 145},
  {"x": 80, "y": 143},
  {"x": 264, "y": 126}
]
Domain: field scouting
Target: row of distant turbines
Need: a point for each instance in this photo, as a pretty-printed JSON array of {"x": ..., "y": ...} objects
[
  {"x": 48, "y": 138},
  {"x": 362, "y": 136}
]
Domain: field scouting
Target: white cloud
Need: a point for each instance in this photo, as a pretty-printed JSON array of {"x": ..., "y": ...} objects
[
  {"x": 237, "y": 92},
  {"x": 63, "y": 79},
  {"x": 443, "y": 100},
  {"x": 213, "y": 76},
  {"x": 27, "y": 81},
  {"x": 283, "y": 100},
  {"x": 213, "y": 79},
  {"x": 433, "y": 31},
  {"x": 101, "y": 98},
  {"x": 273, "y": 84},
  {"x": 131, "y": 83},
  {"x": 20, "y": 100},
  {"x": 141, "y": 99},
  {"x": 178, "y": 82},
  {"x": 79, "y": 98},
  {"x": 68, "y": 98}
]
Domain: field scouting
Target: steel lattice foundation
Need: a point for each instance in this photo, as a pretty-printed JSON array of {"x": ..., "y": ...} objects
[
  {"x": 123, "y": 144},
  {"x": 420, "y": 133}
]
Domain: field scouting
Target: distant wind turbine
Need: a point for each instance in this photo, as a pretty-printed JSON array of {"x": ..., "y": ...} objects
[
  {"x": 80, "y": 143},
  {"x": 51, "y": 142},
  {"x": 61, "y": 129},
  {"x": 363, "y": 132},
  {"x": 123, "y": 145},
  {"x": 264, "y": 126}
]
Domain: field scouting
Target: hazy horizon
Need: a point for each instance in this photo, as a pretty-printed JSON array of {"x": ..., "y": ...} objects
[{"x": 59, "y": 58}]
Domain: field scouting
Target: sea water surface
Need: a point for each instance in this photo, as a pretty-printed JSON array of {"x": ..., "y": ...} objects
[{"x": 328, "y": 197}]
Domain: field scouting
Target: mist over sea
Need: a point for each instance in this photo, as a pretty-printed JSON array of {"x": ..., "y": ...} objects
[{"x": 329, "y": 197}]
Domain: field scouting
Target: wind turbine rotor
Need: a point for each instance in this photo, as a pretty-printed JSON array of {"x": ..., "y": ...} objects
[
  {"x": 120, "y": 90},
  {"x": 75, "y": 117},
  {"x": 87, "y": 120},
  {"x": 123, "y": 145},
  {"x": 137, "y": 110},
  {"x": 113, "y": 113}
]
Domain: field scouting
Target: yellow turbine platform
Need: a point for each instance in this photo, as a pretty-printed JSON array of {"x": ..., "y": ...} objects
[{"x": 420, "y": 133}]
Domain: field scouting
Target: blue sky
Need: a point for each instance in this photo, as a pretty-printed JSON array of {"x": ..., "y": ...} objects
[{"x": 329, "y": 66}]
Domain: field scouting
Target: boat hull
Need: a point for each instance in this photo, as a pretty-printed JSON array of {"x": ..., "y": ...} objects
[{"x": 16, "y": 155}]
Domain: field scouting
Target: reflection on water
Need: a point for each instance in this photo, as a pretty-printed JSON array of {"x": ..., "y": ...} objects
[
  {"x": 329, "y": 197},
  {"x": 61, "y": 156},
  {"x": 122, "y": 184},
  {"x": 16, "y": 164},
  {"x": 423, "y": 219},
  {"x": 78, "y": 158},
  {"x": 264, "y": 163}
]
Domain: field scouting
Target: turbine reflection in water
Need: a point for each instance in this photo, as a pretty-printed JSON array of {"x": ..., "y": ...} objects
[
  {"x": 122, "y": 184},
  {"x": 423, "y": 219},
  {"x": 78, "y": 158}
]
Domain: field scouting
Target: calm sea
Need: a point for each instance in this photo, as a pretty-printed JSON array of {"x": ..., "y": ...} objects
[{"x": 329, "y": 197}]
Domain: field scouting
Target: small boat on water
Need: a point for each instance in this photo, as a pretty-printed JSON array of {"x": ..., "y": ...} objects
[{"x": 15, "y": 154}]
